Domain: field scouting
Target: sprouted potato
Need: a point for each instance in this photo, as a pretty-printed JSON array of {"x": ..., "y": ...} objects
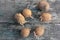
[
  {"x": 39, "y": 31},
  {"x": 27, "y": 13},
  {"x": 20, "y": 18},
  {"x": 45, "y": 17}
]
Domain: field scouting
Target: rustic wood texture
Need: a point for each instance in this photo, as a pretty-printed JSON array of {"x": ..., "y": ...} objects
[{"x": 9, "y": 29}]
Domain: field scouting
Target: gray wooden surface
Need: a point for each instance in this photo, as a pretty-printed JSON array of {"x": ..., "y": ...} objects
[{"x": 9, "y": 30}]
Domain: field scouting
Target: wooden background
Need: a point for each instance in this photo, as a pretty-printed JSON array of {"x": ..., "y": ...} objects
[{"x": 9, "y": 30}]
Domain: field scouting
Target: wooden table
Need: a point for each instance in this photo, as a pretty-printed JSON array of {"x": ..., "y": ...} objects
[{"x": 9, "y": 29}]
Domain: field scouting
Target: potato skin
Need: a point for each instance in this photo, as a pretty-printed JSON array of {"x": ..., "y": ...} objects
[
  {"x": 39, "y": 31},
  {"x": 20, "y": 18},
  {"x": 27, "y": 12},
  {"x": 25, "y": 32},
  {"x": 45, "y": 17},
  {"x": 43, "y": 5}
]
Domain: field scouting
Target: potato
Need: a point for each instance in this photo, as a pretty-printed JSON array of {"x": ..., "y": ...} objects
[
  {"x": 43, "y": 5},
  {"x": 20, "y": 18},
  {"x": 27, "y": 13},
  {"x": 39, "y": 31},
  {"x": 25, "y": 32},
  {"x": 45, "y": 17}
]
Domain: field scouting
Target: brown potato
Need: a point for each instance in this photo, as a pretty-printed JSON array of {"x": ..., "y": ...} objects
[
  {"x": 20, "y": 18},
  {"x": 39, "y": 31},
  {"x": 25, "y": 32},
  {"x": 45, "y": 17},
  {"x": 27, "y": 13},
  {"x": 43, "y": 5}
]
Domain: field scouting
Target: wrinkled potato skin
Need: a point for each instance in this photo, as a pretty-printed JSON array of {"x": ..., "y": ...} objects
[
  {"x": 46, "y": 17},
  {"x": 20, "y": 18}
]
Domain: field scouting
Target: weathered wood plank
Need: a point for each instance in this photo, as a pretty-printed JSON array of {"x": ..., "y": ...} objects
[{"x": 9, "y": 30}]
